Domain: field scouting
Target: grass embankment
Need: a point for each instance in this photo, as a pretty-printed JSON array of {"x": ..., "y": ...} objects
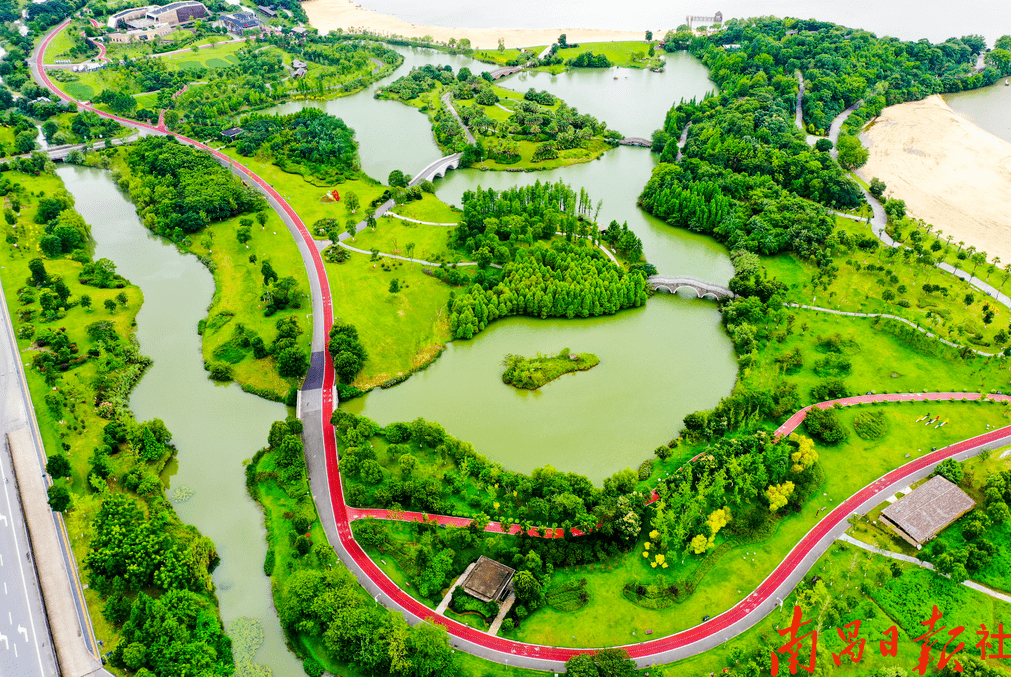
[
  {"x": 429, "y": 208},
  {"x": 238, "y": 297},
  {"x": 625, "y": 54},
  {"x": 393, "y": 236},
  {"x": 62, "y": 45},
  {"x": 531, "y": 373},
  {"x": 503, "y": 57},
  {"x": 869, "y": 591},
  {"x": 874, "y": 282},
  {"x": 402, "y": 331},
  {"x": 75, "y": 428},
  {"x": 306, "y": 196}
]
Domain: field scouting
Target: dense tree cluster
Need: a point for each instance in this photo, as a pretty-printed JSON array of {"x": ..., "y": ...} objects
[
  {"x": 560, "y": 280},
  {"x": 309, "y": 142},
  {"x": 745, "y": 162},
  {"x": 347, "y": 351},
  {"x": 728, "y": 484},
  {"x": 179, "y": 190},
  {"x": 407, "y": 474},
  {"x": 590, "y": 60}
]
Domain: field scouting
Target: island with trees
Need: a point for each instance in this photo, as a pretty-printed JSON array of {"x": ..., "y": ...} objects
[
  {"x": 497, "y": 128},
  {"x": 530, "y": 373}
]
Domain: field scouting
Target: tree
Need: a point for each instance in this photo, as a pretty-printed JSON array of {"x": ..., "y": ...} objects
[
  {"x": 529, "y": 591},
  {"x": 394, "y": 286},
  {"x": 563, "y": 41},
  {"x": 58, "y": 466},
  {"x": 268, "y": 272},
  {"x": 261, "y": 218},
  {"x": 352, "y": 201},
  {"x": 603, "y": 663},
  {"x": 122, "y": 298},
  {"x": 397, "y": 179},
  {"x": 351, "y": 227},
  {"x": 410, "y": 252},
  {"x": 823, "y": 145},
  {"x": 292, "y": 363},
  {"x": 243, "y": 235},
  {"x": 649, "y": 35},
  {"x": 111, "y": 305},
  {"x": 852, "y": 154},
  {"x": 877, "y": 187},
  {"x": 85, "y": 301},
  {"x": 24, "y": 142},
  {"x": 949, "y": 469},
  {"x": 896, "y": 209},
  {"x": 59, "y": 498},
  {"x": 969, "y": 299}
]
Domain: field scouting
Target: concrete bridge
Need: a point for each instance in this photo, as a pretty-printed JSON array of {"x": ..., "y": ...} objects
[
  {"x": 635, "y": 141},
  {"x": 503, "y": 72},
  {"x": 702, "y": 289},
  {"x": 438, "y": 168}
]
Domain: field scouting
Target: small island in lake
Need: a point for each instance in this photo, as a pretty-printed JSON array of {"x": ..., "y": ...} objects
[{"x": 533, "y": 372}]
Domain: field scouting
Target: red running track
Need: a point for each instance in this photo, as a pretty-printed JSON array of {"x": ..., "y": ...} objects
[{"x": 343, "y": 514}]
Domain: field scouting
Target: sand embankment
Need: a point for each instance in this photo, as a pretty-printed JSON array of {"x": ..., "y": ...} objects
[
  {"x": 327, "y": 15},
  {"x": 950, "y": 172}
]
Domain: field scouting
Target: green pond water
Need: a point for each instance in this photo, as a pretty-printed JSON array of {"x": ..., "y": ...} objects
[
  {"x": 214, "y": 427},
  {"x": 657, "y": 363},
  {"x": 988, "y": 108}
]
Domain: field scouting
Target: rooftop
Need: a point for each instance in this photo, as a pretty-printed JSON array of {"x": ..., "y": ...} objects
[
  {"x": 488, "y": 579},
  {"x": 171, "y": 7},
  {"x": 924, "y": 512}
]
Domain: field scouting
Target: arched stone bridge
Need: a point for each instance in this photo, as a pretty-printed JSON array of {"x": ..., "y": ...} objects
[
  {"x": 702, "y": 289},
  {"x": 438, "y": 168}
]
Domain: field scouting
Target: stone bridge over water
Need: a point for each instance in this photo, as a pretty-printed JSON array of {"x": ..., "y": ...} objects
[
  {"x": 438, "y": 168},
  {"x": 671, "y": 284}
]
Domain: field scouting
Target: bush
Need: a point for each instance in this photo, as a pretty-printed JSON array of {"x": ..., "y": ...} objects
[
  {"x": 871, "y": 425},
  {"x": 833, "y": 365},
  {"x": 949, "y": 469},
  {"x": 829, "y": 389},
  {"x": 312, "y": 667},
  {"x": 645, "y": 469},
  {"x": 824, "y": 425}
]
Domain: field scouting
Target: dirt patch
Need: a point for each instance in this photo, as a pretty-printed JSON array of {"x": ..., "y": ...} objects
[{"x": 950, "y": 172}]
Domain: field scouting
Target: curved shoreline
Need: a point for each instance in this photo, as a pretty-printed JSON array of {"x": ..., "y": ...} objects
[
  {"x": 949, "y": 171},
  {"x": 319, "y": 401}
]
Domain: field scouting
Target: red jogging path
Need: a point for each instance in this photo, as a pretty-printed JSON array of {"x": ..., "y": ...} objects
[{"x": 731, "y": 622}]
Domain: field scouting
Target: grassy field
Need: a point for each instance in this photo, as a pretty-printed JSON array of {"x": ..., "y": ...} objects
[
  {"x": 392, "y": 236},
  {"x": 867, "y": 591},
  {"x": 304, "y": 196},
  {"x": 505, "y": 56},
  {"x": 861, "y": 291},
  {"x": 429, "y": 208},
  {"x": 628, "y": 54},
  {"x": 61, "y": 44},
  {"x": 400, "y": 331},
  {"x": 220, "y": 56}
]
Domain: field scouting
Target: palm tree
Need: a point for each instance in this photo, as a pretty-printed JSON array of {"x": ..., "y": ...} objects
[
  {"x": 960, "y": 245},
  {"x": 977, "y": 258},
  {"x": 1007, "y": 273},
  {"x": 993, "y": 265}
]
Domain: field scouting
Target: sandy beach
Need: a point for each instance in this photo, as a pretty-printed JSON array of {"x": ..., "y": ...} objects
[
  {"x": 327, "y": 15},
  {"x": 950, "y": 172}
]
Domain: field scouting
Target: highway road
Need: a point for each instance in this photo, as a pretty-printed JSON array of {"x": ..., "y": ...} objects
[{"x": 26, "y": 648}]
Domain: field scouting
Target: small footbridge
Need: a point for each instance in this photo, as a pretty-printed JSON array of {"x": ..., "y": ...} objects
[
  {"x": 438, "y": 168},
  {"x": 702, "y": 289}
]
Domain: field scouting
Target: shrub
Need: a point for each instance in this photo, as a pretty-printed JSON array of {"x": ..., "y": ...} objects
[
  {"x": 824, "y": 425},
  {"x": 645, "y": 469},
  {"x": 871, "y": 425},
  {"x": 829, "y": 389},
  {"x": 833, "y": 365}
]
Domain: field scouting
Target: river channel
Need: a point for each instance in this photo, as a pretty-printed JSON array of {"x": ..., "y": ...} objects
[{"x": 214, "y": 427}]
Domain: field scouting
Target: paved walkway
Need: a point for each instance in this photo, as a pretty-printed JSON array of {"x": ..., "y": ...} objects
[
  {"x": 426, "y": 223},
  {"x": 890, "y": 317},
  {"x": 920, "y": 563},
  {"x": 446, "y": 102}
]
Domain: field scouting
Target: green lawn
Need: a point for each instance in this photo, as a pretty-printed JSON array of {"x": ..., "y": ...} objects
[
  {"x": 221, "y": 56},
  {"x": 304, "y": 196},
  {"x": 400, "y": 331},
  {"x": 392, "y": 236},
  {"x": 429, "y": 208},
  {"x": 237, "y": 297},
  {"x": 505, "y": 56},
  {"x": 629, "y": 54},
  {"x": 861, "y": 291},
  {"x": 863, "y": 588},
  {"x": 61, "y": 44}
]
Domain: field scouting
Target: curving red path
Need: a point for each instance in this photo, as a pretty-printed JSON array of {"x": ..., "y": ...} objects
[{"x": 687, "y": 642}]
